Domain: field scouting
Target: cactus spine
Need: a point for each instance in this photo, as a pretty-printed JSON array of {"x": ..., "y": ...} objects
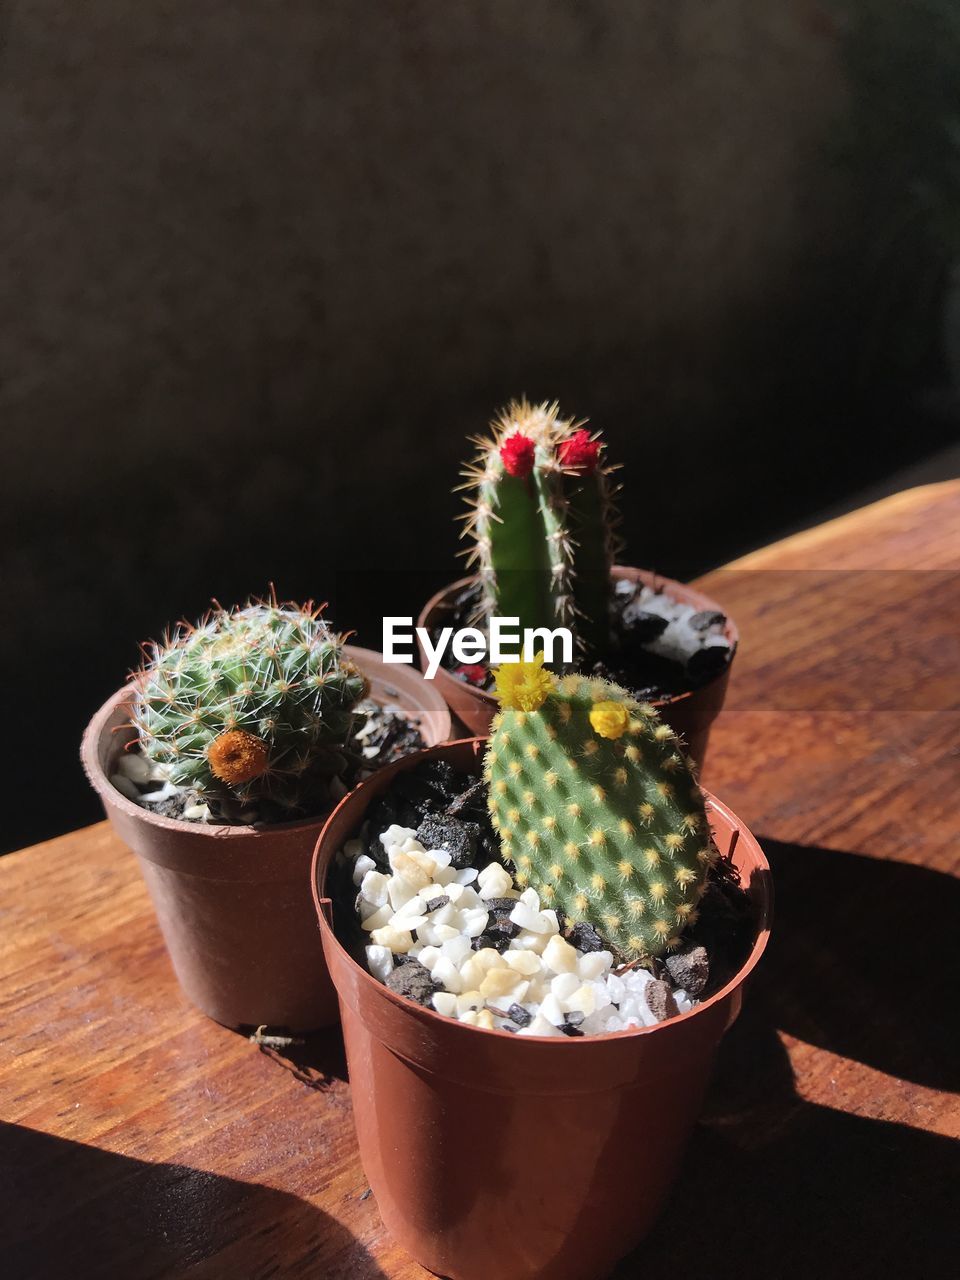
[
  {"x": 597, "y": 808},
  {"x": 252, "y": 704},
  {"x": 542, "y": 523}
]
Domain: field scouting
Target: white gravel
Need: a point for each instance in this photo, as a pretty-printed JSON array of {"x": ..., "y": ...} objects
[
  {"x": 679, "y": 641},
  {"x": 552, "y": 982}
]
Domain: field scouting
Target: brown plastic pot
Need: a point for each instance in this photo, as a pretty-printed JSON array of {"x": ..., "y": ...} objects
[
  {"x": 233, "y": 903},
  {"x": 521, "y": 1157},
  {"x": 691, "y": 714}
]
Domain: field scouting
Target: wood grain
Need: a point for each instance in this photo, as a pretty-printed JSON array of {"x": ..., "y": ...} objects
[{"x": 140, "y": 1139}]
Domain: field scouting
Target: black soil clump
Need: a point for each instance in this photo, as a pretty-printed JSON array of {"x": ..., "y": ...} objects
[{"x": 413, "y": 980}]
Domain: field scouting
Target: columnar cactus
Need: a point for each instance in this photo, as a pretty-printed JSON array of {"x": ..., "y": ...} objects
[
  {"x": 542, "y": 523},
  {"x": 251, "y": 704},
  {"x": 597, "y": 808}
]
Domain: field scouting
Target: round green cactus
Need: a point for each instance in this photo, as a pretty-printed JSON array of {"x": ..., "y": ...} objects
[
  {"x": 597, "y": 807},
  {"x": 252, "y": 704}
]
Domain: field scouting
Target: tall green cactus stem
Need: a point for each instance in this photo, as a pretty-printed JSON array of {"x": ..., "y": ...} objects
[
  {"x": 597, "y": 808},
  {"x": 252, "y": 704},
  {"x": 541, "y": 522}
]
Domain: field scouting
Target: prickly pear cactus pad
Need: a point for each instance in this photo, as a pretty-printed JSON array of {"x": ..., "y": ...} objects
[
  {"x": 252, "y": 704},
  {"x": 597, "y": 807}
]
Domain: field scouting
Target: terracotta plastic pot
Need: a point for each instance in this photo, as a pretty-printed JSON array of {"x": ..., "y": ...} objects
[
  {"x": 690, "y": 714},
  {"x": 233, "y": 903},
  {"x": 521, "y": 1157}
]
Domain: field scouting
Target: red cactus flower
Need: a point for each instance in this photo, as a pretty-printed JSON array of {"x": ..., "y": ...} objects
[
  {"x": 517, "y": 455},
  {"x": 580, "y": 453},
  {"x": 474, "y": 674}
]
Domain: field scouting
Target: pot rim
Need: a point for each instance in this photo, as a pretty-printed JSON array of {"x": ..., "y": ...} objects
[
  {"x": 100, "y": 781},
  {"x": 731, "y": 631},
  {"x": 764, "y": 903}
]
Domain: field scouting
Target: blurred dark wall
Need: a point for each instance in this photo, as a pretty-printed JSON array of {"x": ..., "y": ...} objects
[{"x": 265, "y": 265}]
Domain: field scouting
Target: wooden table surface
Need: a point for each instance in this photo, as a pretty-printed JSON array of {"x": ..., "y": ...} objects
[{"x": 140, "y": 1139}]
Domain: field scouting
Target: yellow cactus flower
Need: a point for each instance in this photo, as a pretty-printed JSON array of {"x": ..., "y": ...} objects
[
  {"x": 609, "y": 719},
  {"x": 523, "y": 685}
]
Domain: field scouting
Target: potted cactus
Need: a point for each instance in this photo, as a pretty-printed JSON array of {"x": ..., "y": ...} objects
[
  {"x": 217, "y": 764},
  {"x": 547, "y": 994},
  {"x": 541, "y": 527}
]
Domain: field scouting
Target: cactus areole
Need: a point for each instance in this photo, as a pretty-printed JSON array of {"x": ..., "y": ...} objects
[
  {"x": 597, "y": 807},
  {"x": 542, "y": 523}
]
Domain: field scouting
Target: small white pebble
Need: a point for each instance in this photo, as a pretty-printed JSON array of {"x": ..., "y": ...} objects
[
  {"x": 531, "y": 898},
  {"x": 196, "y": 813},
  {"x": 399, "y": 941},
  {"x": 495, "y": 881},
  {"x": 379, "y": 962},
  {"x": 525, "y": 962},
  {"x": 399, "y": 892},
  {"x": 593, "y": 964},
  {"x": 489, "y": 958},
  {"x": 395, "y": 835},
  {"x": 377, "y": 919},
  {"x": 528, "y": 918},
  {"x": 166, "y": 792},
  {"x": 527, "y": 941},
  {"x": 435, "y": 890},
  {"x": 407, "y": 867},
  {"x": 475, "y": 921},
  {"x": 445, "y": 933},
  {"x": 559, "y": 956},
  {"x": 539, "y": 1027},
  {"x": 411, "y": 910},
  {"x": 125, "y": 786},
  {"x": 447, "y": 974},
  {"x": 564, "y": 985},
  {"x": 429, "y": 956},
  {"x": 512, "y": 996},
  {"x": 445, "y": 1002},
  {"x": 583, "y": 1000},
  {"x": 503, "y": 982},
  {"x": 471, "y": 972},
  {"x": 483, "y": 1018},
  {"x": 373, "y": 886},
  {"x": 457, "y": 949},
  {"x": 615, "y": 987},
  {"x": 551, "y": 1010},
  {"x": 134, "y": 766}
]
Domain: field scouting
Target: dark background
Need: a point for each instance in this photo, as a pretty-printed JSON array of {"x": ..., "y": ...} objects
[{"x": 265, "y": 265}]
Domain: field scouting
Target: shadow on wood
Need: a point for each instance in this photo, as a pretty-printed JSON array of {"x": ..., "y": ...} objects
[
  {"x": 317, "y": 1060},
  {"x": 885, "y": 1002},
  {"x": 69, "y": 1209},
  {"x": 774, "y": 1186}
]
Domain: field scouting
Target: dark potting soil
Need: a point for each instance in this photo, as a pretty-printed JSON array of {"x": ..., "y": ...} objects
[
  {"x": 648, "y": 676},
  {"x": 383, "y": 734},
  {"x": 436, "y": 796}
]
